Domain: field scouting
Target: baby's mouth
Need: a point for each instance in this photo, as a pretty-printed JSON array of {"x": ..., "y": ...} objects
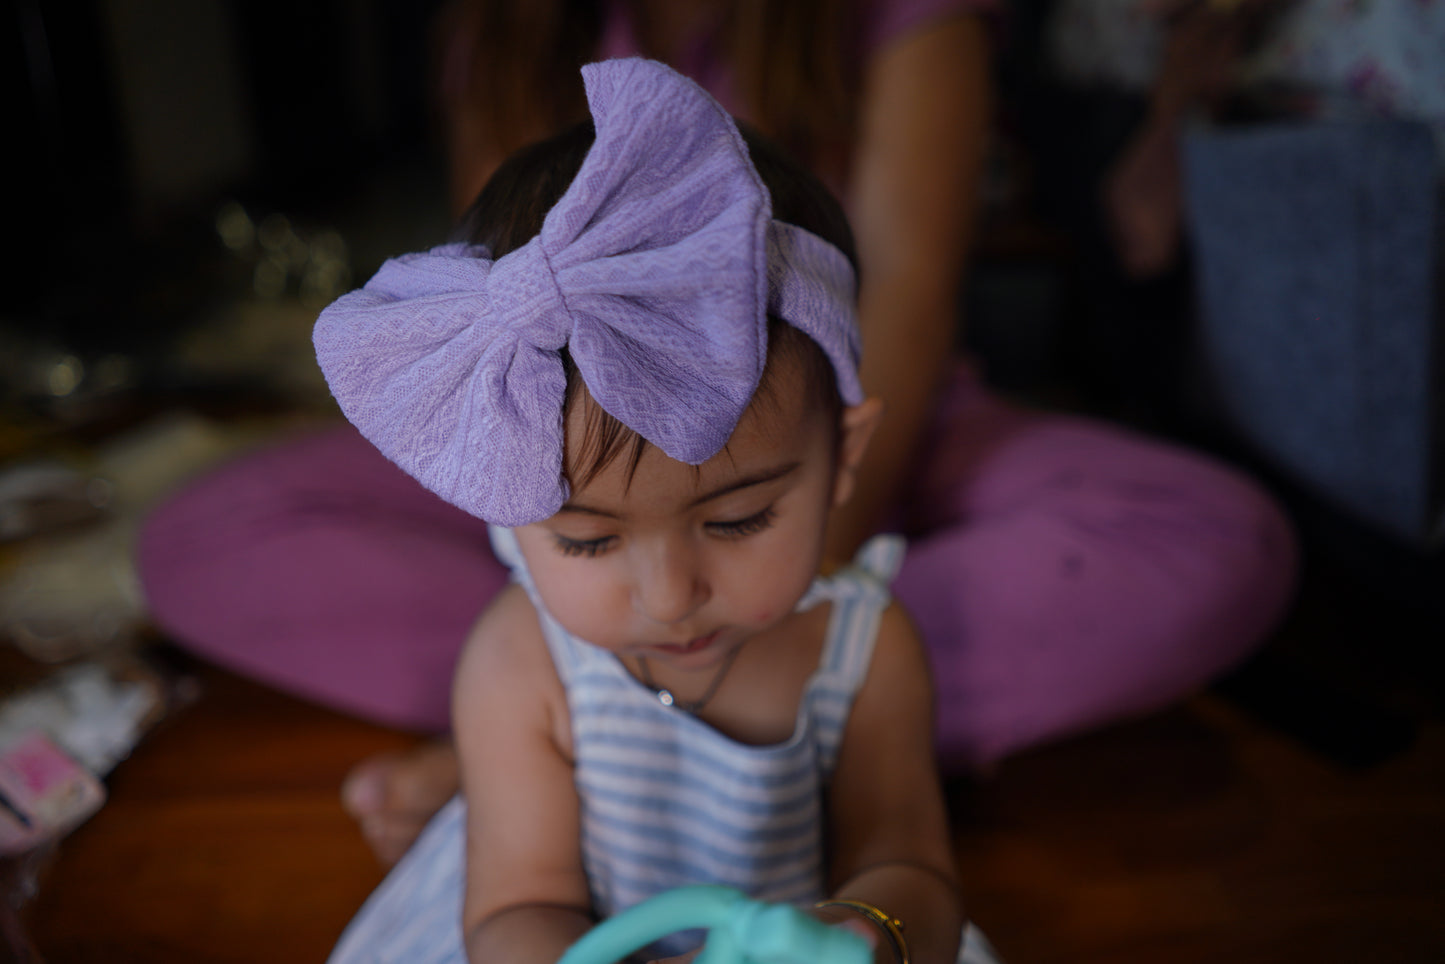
[{"x": 691, "y": 646}]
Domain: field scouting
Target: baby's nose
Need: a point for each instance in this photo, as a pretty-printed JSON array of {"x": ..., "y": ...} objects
[{"x": 671, "y": 586}]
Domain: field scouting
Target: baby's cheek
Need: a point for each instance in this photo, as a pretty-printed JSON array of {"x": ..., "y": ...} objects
[
  {"x": 769, "y": 592},
  {"x": 588, "y": 610}
]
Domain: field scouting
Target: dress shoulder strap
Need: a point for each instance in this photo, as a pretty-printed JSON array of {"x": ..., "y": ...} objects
[
  {"x": 567, "y": 654},
  {"x": 859, "y": 593}
]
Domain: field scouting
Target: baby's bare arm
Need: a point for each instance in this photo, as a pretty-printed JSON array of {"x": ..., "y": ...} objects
[
  {"x": 891, "y": 846},
  {"x": 526, "y": 893}
]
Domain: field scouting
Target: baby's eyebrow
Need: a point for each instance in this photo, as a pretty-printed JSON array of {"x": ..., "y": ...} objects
[
  {"x": 748, "y": 481},
  {"x": 757, "y": 478},
  {"x": 588, "y": 510}
]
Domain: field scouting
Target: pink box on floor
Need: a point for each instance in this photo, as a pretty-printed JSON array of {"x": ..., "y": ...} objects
[{"x": 44, "y": 793}]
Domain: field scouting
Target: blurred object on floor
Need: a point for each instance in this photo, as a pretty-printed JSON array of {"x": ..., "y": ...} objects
[
  {"x": 72, "y": 596},
  {"x": 224, "y": 833},
  {"x": 40, "y": 497},
  {"x": 94, "y": 712},
  {"x": 61, "y": 733},
  {"x": 75, "y": 593},
  {"x": 44, "y": 793}
]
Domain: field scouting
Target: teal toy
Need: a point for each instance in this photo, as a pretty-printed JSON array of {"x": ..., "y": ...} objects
[{"x": 740, "y": 931}]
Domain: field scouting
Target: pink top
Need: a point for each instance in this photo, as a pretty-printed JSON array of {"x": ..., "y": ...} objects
[{"x": 880, "y": 22}]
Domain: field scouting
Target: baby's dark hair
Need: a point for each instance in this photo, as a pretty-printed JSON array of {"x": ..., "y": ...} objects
[{"x": 510, "y": 210}]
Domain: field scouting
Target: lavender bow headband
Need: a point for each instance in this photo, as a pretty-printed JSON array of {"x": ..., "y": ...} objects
[{"x": 656, "y": 269}]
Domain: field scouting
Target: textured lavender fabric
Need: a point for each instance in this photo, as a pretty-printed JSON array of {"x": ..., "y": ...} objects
[{"x": 656, "y": 270}]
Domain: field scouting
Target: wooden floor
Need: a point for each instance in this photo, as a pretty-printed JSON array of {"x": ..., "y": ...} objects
[{"x": 1197, "y": 835}]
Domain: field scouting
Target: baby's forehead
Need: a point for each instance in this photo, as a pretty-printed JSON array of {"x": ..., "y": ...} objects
[
  {"x": 779, "y": 421},
  {"x": 783, "y": 397}
]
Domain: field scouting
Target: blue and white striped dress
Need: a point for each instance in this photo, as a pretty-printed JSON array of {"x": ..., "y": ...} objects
[{"x": 666, "y": 800}]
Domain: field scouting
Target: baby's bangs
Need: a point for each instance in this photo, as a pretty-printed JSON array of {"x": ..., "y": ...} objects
[
  {"x": 604, "y": 438},
  {"x": 791, "y": 350}
]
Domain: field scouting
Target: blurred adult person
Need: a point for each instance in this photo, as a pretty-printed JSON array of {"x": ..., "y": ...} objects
[{"x": 1064, "y": 572}]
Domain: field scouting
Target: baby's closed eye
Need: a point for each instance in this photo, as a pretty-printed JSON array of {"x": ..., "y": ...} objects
[
  {"x": 586, "y": 548},
  {"x": 746, "y": 526}
]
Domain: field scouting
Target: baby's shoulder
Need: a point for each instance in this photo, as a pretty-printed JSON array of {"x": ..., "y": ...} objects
[
  {"x": 899, "y": 661},
  {"x": 509, "y": 619},
  {"x": 505, "y": 692},
  {"x": 505, "y": 648},
  {"x": 896, "y": 625}
]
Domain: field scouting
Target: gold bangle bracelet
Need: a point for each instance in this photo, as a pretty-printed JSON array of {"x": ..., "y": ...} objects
[{"x": 891, "y": 926}]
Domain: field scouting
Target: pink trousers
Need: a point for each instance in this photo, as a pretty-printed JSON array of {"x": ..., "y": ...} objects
[{"x": 1063, "y": 572}]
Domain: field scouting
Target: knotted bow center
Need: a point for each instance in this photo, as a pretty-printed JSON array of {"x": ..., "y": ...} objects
[{"x": 525, "y": 298}]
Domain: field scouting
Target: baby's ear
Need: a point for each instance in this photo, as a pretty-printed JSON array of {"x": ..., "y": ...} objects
[{"x": 859, "y": 422}]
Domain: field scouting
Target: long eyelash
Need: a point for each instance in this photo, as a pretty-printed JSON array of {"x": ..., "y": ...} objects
[
  {"x": 745, "y": 527},
  {"x": 581, "y": 547}
]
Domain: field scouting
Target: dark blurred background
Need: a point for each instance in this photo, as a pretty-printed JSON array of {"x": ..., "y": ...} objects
[
  {"x": 193, "y": 179},
  {"x": 173, "y": 160},
  {"x": 134, "y": 122}
]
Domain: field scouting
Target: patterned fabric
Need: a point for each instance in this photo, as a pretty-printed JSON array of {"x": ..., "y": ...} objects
[
  {"x": 1358, "y": 58},
  {"x": 666, "y": 799},
  {"x": 1363, "y": 58},
  {"x": 656, "y": 270}
]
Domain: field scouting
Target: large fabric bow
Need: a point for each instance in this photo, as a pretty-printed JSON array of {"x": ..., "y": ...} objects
[{"x": 653, "y": 270}]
